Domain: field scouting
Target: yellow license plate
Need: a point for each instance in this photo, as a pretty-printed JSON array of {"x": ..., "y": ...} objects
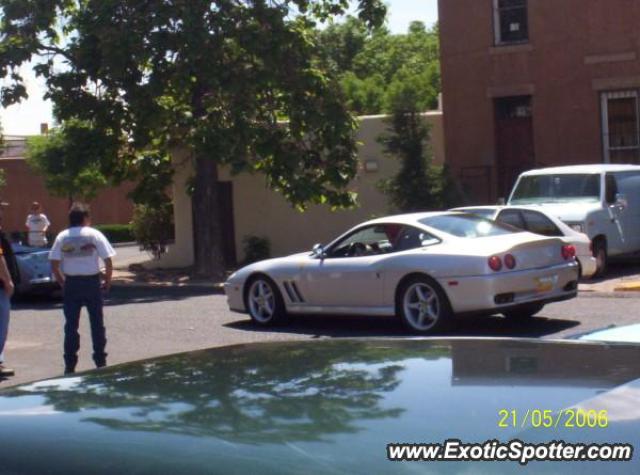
[{"x": 545, "y": 284}]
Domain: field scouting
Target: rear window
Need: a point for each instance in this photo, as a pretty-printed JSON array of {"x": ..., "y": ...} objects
[
  {"x": 560, "y": 188},
  {"x": 467, "y": 225}
]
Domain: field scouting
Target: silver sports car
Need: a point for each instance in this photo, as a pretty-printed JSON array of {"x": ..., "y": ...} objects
[{"x": 422, "y": 267}]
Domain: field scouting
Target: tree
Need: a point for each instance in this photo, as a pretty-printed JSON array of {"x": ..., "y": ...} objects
[
  {"x": 74, "y": 160},
  {"x": 419, "y": 185},
  {"x": 371, "y": 64},
  {"x": 216, "y": 77}
]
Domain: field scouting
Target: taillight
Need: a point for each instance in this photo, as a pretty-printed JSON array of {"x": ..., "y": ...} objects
[
  {"x": 509, "y": 261},
  {"x": 495, "y": 263},
  {"x": 568, "y": 252}
]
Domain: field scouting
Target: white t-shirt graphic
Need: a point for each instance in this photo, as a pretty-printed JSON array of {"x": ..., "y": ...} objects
[
  {"x": 37, "y": 223},
  {"x": 79, "y": 248}
]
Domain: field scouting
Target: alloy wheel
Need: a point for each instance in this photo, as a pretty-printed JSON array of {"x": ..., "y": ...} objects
[
  {"x": 262, "y": 301},
  {"x": 421, "y": 306}
]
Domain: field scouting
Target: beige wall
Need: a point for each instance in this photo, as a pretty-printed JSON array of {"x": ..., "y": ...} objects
[{"x": 259, "y": 211}]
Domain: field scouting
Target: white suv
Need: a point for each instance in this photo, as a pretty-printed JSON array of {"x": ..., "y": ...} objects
[{"x": 602, "y": 201}]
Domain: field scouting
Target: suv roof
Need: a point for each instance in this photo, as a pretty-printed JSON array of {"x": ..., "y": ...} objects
[{"x": 595, "y": 168}]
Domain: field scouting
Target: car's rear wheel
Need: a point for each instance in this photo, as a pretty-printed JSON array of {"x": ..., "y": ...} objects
[
  {"x": 524, "y": 312},
  {"x": 264, "y": 302},
  {"x": 423, "y": 306}
]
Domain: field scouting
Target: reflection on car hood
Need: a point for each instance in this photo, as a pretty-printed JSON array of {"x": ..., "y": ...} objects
[
  {"x": 318, "y": 407},
  {"x": 624, "y": 334}
]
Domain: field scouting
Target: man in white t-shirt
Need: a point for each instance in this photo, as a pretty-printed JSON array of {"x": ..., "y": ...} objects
[
  {"x": 37, "y": 224},
  {"x": 75, "y": 261}
]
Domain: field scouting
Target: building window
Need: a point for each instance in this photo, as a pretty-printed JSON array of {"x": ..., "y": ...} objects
[
  {"x": 620, "y": 127},
  {"x": 510, "y": 21}
]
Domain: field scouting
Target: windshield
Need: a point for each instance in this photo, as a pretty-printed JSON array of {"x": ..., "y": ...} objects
[
  {"x": 562, "y": 188},
  {"x": 467, "y": 225}
]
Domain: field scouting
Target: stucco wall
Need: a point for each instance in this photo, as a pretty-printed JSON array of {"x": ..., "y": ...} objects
[{"x": 259, "y": 211}]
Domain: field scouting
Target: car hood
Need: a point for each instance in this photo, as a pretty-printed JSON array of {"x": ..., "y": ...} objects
[
  {"x": 625, "y": 334},
  {"x": 568, "y": 212},
  {"x": 319, "y": 407}
]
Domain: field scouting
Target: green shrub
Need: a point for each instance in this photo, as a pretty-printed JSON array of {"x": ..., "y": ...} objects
[
  {"x": 153, "y": 227},
  {"x": 116, "y": 232},
  {"x": 256, "y": 249}
]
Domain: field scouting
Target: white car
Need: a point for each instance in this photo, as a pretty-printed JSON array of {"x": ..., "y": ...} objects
[
  {"x": 422, "y": 267},
  {"x": 535, "y": 220}
]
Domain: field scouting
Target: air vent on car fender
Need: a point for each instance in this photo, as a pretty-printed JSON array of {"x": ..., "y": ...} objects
[{"x": 293, "y": 292}]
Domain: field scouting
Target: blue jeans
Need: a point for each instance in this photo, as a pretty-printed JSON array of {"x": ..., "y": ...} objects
[
  {"x": 83, "y": 291},
  {"x": 5, "y": 306}
]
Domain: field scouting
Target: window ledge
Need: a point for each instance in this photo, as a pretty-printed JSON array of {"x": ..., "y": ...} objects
[{"x": 507, "y": 48}]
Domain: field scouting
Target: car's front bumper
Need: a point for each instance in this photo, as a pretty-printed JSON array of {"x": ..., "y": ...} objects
[
  {"x": 504, "y": 290},
  {"x": 235, "y": 299}
]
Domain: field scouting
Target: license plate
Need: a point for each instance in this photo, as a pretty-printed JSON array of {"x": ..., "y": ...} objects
[{"x": 545, "y": 284}]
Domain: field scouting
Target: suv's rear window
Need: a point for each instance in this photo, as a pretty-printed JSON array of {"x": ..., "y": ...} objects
[{"x": 467, "y": 225}]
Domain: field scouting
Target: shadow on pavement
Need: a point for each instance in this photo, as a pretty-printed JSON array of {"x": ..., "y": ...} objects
[
  {"x": 357, "y": 326},
  {"x": 120, "y": 296},
  {"x": 618, "y": 269}
]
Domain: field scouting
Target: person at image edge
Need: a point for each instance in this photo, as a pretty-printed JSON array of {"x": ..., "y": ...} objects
[
  {"x": 8, "y": 268},
  {"x": 75, "y": 261}
]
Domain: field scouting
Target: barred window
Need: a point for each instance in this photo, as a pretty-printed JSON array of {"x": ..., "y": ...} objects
[
  {"x": 620, "y": 127},
  {"x": 511, "y": 23}
]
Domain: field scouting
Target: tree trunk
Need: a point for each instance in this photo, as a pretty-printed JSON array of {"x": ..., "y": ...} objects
[{"x": 207, "y": 231}]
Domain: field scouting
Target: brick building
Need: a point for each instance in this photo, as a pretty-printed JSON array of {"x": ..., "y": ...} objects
[
  {"x": 533, "y": 83},
  {"x": 23, "y": 186}
]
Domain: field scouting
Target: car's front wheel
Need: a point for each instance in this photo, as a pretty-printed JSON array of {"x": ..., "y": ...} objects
[
  {"x": 524, "y": 312},
  {"x": 264, "y": 302},
  {"x": 423, "y": 306}
]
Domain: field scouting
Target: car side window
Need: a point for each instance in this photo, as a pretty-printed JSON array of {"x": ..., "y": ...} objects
[
  {"x": 511, "y": 217},
  {"x": 538, "y": 223},
  {"x": 611, "y": 189},
  {"x": 367, "y": 241},
  {"x": 413, "y": 238}
]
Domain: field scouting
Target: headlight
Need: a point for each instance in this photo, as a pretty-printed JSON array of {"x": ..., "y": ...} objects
[{"x": 579, "y": 227}]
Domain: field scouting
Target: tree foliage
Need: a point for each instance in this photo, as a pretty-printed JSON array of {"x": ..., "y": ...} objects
[
  {"x": 373, "y": 65},
  {"x": 214, "y": 76},
  {"x": 419, "y": 185},
  {"x": 74, "y": 159}
]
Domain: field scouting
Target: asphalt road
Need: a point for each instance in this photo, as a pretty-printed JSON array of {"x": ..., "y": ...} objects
[{"x": 148, "y": 322}]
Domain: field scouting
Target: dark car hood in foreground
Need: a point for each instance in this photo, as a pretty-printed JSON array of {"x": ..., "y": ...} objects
[{"x": 316, "y": 407}]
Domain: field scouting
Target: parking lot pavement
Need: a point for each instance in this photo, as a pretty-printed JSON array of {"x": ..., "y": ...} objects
[{"x": 146, "y": 322}]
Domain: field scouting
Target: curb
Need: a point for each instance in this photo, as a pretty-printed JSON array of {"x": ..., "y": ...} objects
[
  {"x": 164, "y": 285},
  {"x": 628, "y": 287}
]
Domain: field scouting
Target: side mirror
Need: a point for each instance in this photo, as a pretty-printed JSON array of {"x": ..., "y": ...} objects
[
  {"x": 318, "y": 250},
  {"x": 621, "y": 200}
]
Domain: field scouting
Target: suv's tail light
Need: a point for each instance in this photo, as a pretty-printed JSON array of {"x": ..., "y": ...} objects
[
  {"x": 495, "y": 263},
  {"x": 509, "y": 261},
  {"x": 568, "y": 252}
]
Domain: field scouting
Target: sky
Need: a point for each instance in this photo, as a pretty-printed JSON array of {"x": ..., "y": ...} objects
[{"x": 25, "y": 118}]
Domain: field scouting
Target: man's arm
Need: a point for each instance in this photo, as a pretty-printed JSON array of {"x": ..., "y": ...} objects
[
  {"x": 108, "y": 272},
  {"x": 57, "y": 273},
  {"x": 5, "y": 276}
]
